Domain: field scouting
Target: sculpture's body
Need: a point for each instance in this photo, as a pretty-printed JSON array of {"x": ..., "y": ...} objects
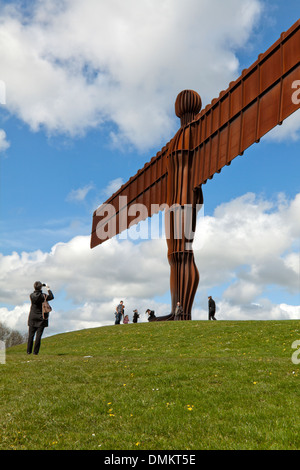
[
  {"x": 207, "y": 141},
  {"x": 182, "y": 204}
]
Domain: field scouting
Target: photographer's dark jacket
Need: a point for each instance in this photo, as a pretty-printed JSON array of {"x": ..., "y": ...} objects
[
  {"x": 35, "y": 315},
  {"x": 211, "y": 306}
]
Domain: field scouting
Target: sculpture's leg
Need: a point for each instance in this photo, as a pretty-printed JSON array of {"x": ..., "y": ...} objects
[
  {"x": 184, "y": 281},
  {"x": 184, "y": 278}
]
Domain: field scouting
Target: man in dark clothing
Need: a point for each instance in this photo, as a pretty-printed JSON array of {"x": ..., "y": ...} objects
[
  {"x": 151, "y": 315},
  {"x": 36, "y": 321},
  {"x": 135, "y": 316},
  {"x": 119, "y": 312},
  {"x": 211, "y": 308}
]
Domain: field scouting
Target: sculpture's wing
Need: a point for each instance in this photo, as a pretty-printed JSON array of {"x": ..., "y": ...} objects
[
  {"x": 252, "y": 105},
  {"x": 261, "y": 98},
  {"x": 148, "y": 187}
]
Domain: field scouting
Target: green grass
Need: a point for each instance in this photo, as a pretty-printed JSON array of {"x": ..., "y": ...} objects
[{"x": 158, "y": 386}]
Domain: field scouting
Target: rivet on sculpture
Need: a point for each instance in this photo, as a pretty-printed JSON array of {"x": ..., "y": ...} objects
[{"x": 207, "y": 140}]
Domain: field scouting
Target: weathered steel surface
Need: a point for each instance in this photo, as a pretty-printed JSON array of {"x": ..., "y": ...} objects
[
  {"x": 254, "y": 104},
  {"x": 147, "y": 187},
  {"x": 251, "y": 106},
  {"x": 184, "y": 275},
  {"x": 207, "y": 141}
]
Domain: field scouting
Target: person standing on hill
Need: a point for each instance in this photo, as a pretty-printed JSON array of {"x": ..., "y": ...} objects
[
  {"x": 36, "y": 322},
  {"x": 119, "y": 312},
  {"x": 178, "y": 312},
  {"x": 151, "y": 314},
  {"x": 135, "y": 316},
  {"x": 211, "y": 308}
]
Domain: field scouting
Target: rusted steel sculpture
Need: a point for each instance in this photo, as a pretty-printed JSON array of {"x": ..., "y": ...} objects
[{"x": 260, "y": 99}]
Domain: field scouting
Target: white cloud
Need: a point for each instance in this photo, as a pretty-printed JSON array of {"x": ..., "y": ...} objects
[
  {"x": 113, "y": 186},
  {"x": 289, "y": 131},
  {"x": 79, "y": 195},
  {"x": 265, "y": 310},
  {"x": 15, "y": 318},
  {"x": 4, "y": 144},
  {"x": 251, "y": 243},
  {"x": 91, "y": 280},
  {"x": 74, "y": 65},
  {"x": 248, "y": 246},
  {"x": 2, "y": 92}
]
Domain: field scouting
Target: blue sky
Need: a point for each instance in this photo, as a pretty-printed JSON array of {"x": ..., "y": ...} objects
[{"x": 90, "y": 92}]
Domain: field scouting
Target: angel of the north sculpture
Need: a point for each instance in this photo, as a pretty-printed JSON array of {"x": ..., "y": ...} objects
[{"x": 261, "y": 98}]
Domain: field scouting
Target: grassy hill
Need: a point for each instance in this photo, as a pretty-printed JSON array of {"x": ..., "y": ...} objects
[{"x": 158, "y": 386}]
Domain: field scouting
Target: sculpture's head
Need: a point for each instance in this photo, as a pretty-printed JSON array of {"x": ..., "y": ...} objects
[{"x": 188, "y": 103}]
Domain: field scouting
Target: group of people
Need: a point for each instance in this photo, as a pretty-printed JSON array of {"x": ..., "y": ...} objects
[
  {"x": 211, "y": 310},
  {"x": 120, "y": 313},
  {"x": 37, "y": 321},
  {"x": 178, "y": 314}
]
